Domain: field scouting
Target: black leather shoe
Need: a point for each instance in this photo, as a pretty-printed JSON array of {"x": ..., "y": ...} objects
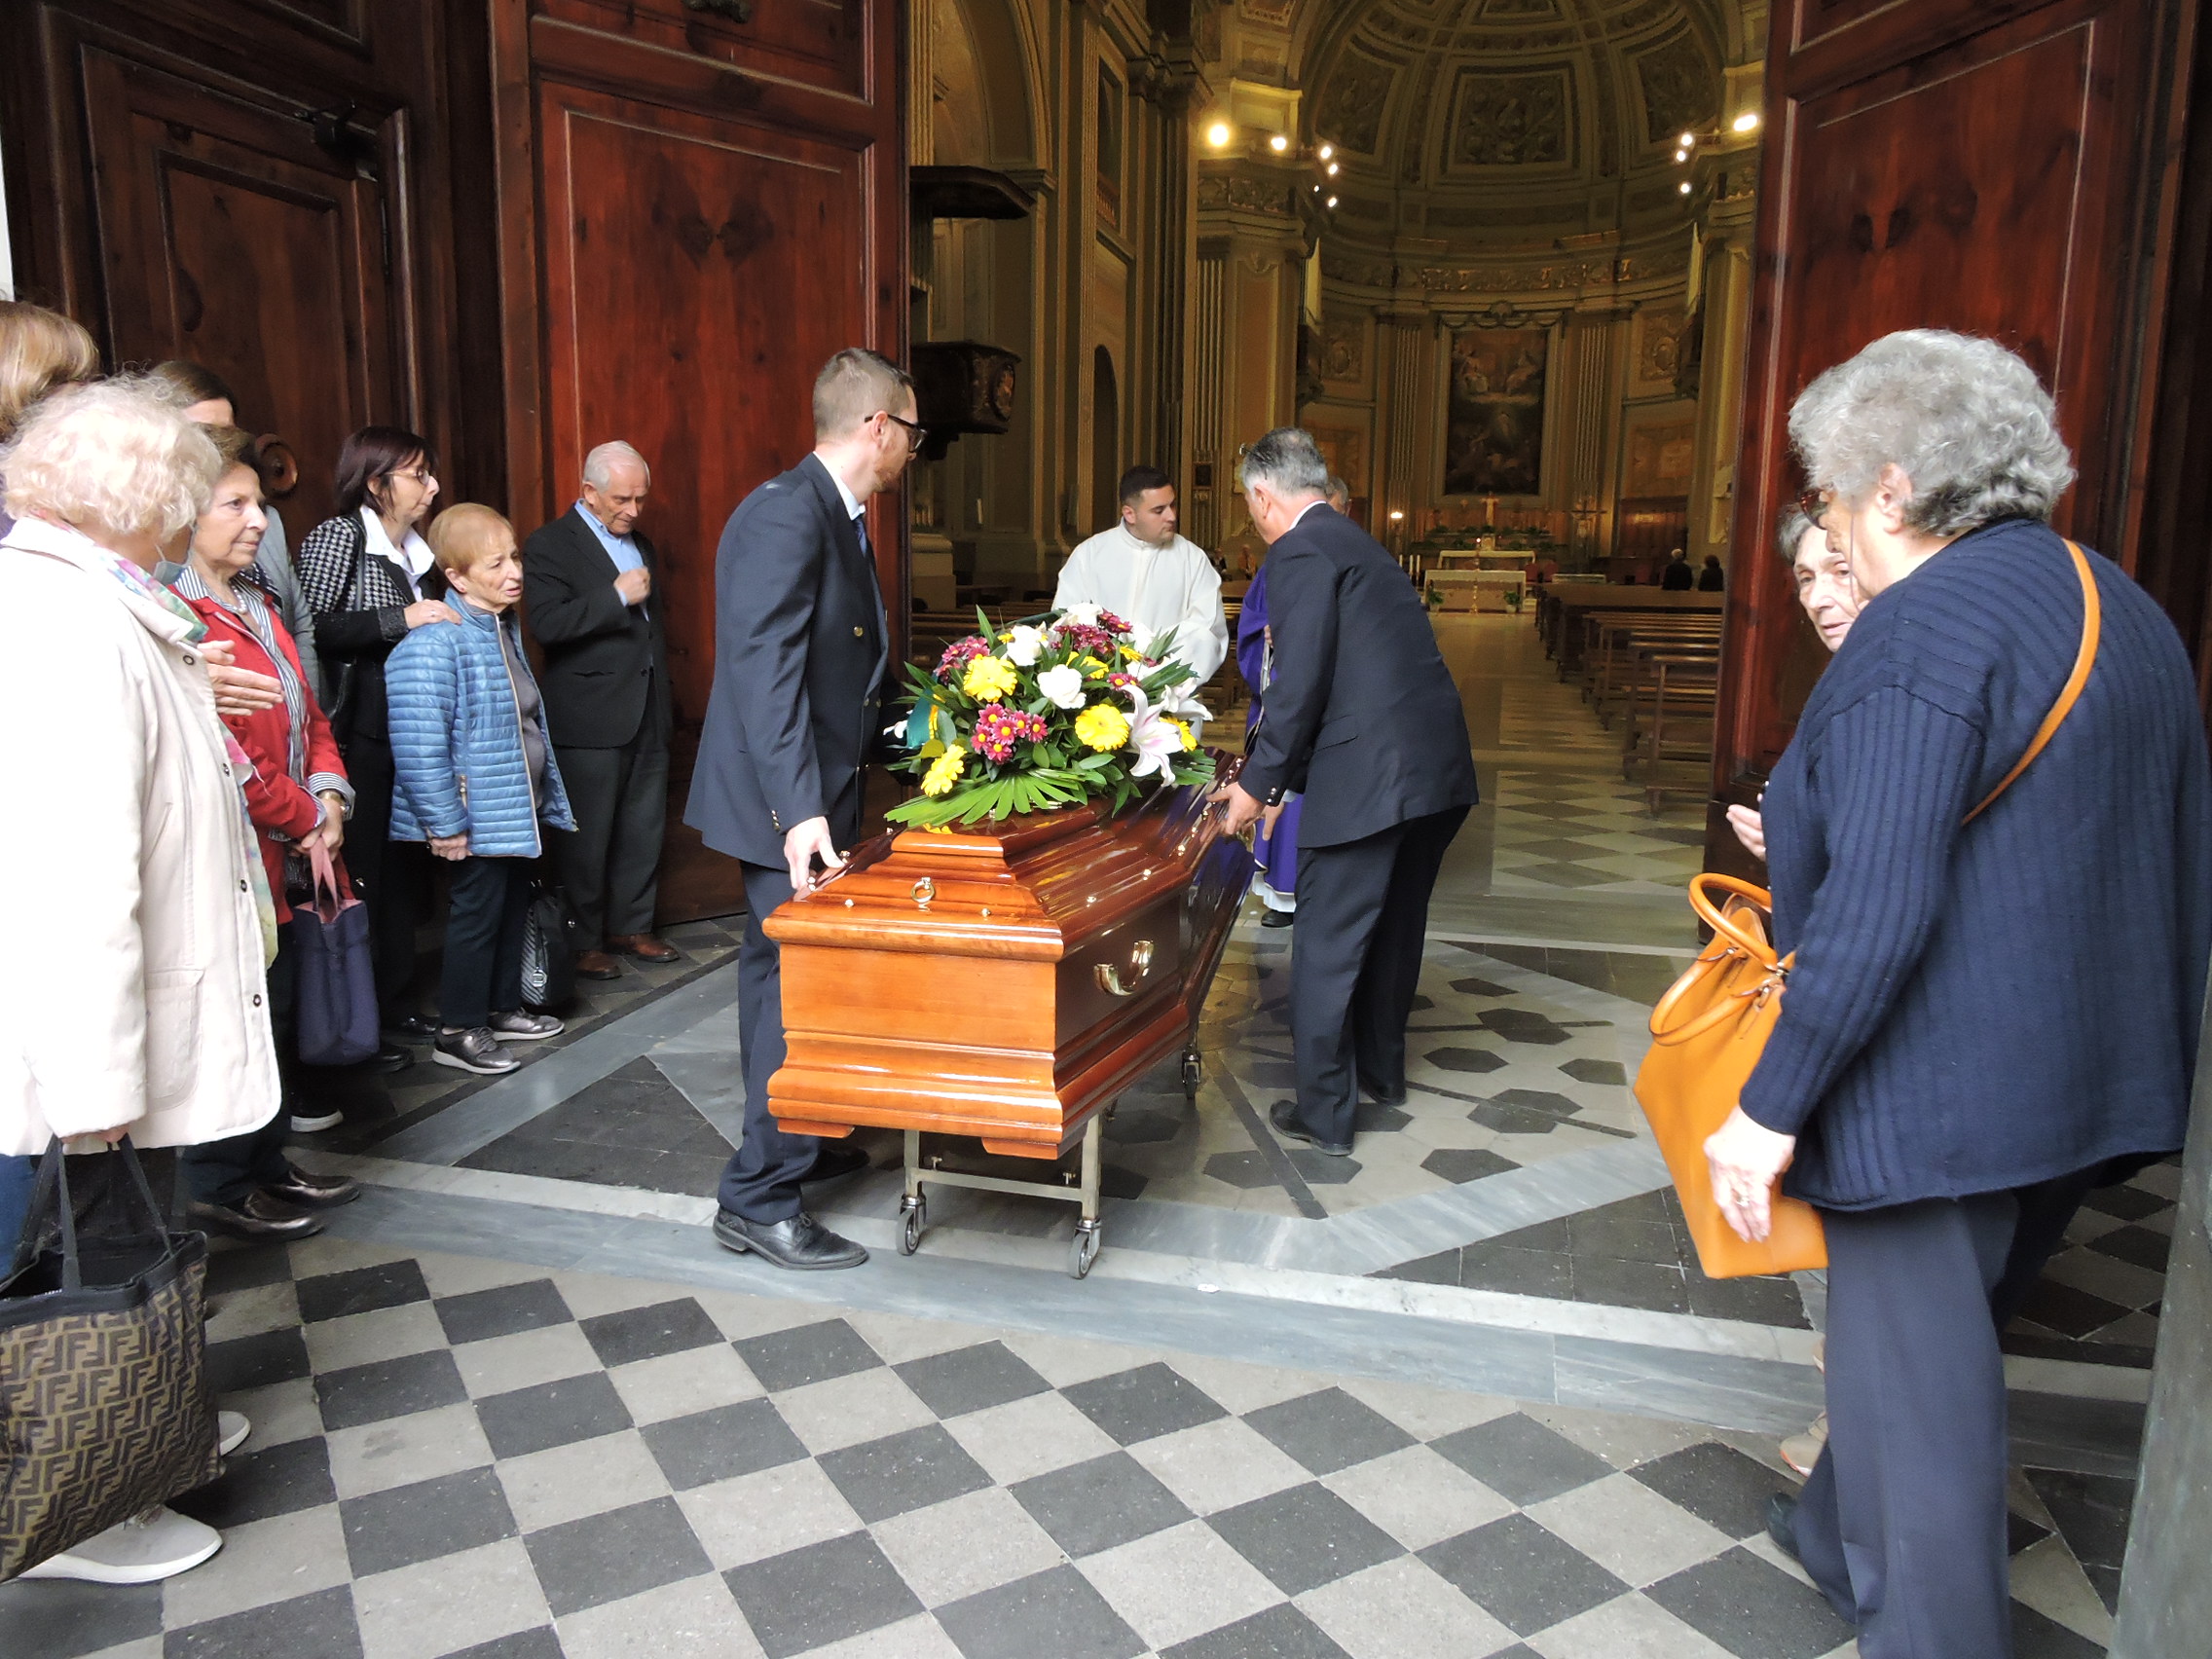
[
  {"x": 257, "y": 1217},
  {"x": 1395, "y": 1098},
  {"x": 414, "y": 1028},
  {"x": 837, "y": 1158},
  {"x": 801, "y": 1242},
  {"x": 389, "y": 1057},
  {"x": 1278, "y": 919},
  {"x": 1283, "y": 1115},
  {"x": 1782, "y": 1523},
  {"x": 304, "y": 1189}
]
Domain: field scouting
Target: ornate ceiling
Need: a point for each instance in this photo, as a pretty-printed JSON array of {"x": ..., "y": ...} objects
[{"x": 1506, "y": 124}]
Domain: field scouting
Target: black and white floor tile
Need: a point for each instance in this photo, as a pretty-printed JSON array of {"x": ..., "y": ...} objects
[{"x": 456, "y": 1456}]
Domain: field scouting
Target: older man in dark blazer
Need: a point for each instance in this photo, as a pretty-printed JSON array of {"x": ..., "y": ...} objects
[
  {"x": 1363, "y": 719},
  {"x": 589, "y": 599},
  {"x": 802, "y": 651}
]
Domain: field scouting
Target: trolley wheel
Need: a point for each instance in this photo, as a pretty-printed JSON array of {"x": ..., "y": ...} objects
[
  {"x": 1084, "y": 1250},
  {"x": 1194, "y": 1074},
  {"x": 913, "y": 1217}
]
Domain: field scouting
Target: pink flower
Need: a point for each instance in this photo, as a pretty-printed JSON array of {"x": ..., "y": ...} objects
[
  {"x": 958, "y": 655},
  {"x": 1000, "y": 730},
  {"x": 1085, "y": 638},
  {"x": 1113, "y": 624}
]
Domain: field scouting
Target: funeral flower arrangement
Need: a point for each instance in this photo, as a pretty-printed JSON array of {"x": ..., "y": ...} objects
[{"x": 1045, "y": 714}]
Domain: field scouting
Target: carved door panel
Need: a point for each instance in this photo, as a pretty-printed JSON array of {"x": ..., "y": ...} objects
[
  {"x": 227, "y": 236},
  {"x": 714, "y": 203},
  {"x": 1944, "y": 165}
]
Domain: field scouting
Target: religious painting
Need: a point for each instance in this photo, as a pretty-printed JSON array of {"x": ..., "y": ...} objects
[
  {"x": 1660, "y": 457},
  {"x": 1493, "y": 425}
]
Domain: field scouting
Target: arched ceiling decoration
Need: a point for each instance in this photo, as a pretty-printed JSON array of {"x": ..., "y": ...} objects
[{"x": 1496, "y": 125}]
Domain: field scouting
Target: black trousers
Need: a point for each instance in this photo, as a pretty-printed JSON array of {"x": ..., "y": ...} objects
[
  {"x": 1355, "y": 964},
  {"x": 391, "y": 877},
  {"x": 761, "y": 1179},
  {"x": 484, "y": 928},
  {"x": 227, "y": 1171},
  {"x": 610, "y": 864},
  {"x": 1902, "y": 1523}
]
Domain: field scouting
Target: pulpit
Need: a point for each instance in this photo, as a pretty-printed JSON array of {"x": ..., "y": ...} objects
[{"x": 1006, "y": 982}]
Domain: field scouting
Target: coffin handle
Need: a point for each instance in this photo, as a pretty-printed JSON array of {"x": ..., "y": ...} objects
[{"x": 1140, "y": 964}]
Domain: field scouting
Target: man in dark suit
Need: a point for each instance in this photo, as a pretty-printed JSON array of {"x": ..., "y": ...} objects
[
  {"x": 1363, "y": 719},
  {"x": 801, "y": 650},
  {"x": 590, "y": 603}
]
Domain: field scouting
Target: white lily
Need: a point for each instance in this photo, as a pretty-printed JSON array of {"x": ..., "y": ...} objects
[
  {"x": 1079, "y": 615},
  {"x": 1026, "y": 645},
  {"x": 1062, "y": 686},
  {"x": 1155, "y": 737}
]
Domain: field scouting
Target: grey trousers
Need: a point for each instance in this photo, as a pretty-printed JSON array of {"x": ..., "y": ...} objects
[{"x": 610, "y": 864}]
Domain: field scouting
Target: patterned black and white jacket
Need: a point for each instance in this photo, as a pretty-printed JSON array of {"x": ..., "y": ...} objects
[{"x": 359, "y": 600}]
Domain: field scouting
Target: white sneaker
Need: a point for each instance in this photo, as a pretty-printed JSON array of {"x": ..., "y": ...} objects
[
  {"x": 231, "y": 1431},
  {"x": 142, "y": 1550},
  {"x": 304, "y": 1124}
]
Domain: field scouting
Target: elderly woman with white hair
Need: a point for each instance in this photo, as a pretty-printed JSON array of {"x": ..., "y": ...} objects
[
  {"x": 1999, "y": 973},
  {"x": 143, "y": 1011}
]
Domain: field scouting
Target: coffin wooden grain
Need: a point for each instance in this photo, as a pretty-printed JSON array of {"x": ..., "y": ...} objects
[{"x": 1004, "y": 983}]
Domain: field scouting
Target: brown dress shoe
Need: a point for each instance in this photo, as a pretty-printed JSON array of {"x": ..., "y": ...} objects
[
  {"x": 644, "y": 947},
  {"x": 597, "y": 965}
]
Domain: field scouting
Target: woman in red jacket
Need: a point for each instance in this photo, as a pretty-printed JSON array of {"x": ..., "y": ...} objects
[{"x": 298, "y": 797}]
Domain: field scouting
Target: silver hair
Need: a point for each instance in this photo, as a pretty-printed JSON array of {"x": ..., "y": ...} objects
[
  {"x": 1790, "y": 532},
  {"x": 117, "y": 455},
  {"x": 599, "y": 466},
  {"x": 1336, "y": 489},
  {"x": 1963, "y": 418},
  {"x": 1288, "y": 461}
]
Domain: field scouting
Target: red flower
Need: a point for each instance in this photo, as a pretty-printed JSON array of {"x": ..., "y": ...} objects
[
  {"x": 1113, "y": 624},
  {"x": 1086, "y": 639},
  {"x": 999, "y": 730},
  {"x": 958, "y": 655}
]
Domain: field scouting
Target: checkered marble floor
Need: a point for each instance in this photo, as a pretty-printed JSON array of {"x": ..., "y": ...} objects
[
  {"x": 1555, "y": 829},
  {"x": 455, "y": 1456}
]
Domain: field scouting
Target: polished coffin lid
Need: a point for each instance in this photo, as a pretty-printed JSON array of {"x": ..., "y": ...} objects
[{"x": 1003, "y": 982}]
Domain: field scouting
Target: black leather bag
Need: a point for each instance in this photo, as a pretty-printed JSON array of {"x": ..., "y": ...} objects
[
  {"x": 105, "y": 1409},
  {"x": 548, "y": 947}
]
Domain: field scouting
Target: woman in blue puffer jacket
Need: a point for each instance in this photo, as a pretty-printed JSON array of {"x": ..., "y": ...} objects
[{"x": 473, "y": 776}]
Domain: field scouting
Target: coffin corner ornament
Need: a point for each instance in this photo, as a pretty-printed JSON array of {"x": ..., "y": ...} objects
[{"x": 1034, "y": 931}]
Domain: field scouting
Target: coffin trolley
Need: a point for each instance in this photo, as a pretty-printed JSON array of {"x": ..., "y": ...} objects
[{"x": 1006, "y": 982}]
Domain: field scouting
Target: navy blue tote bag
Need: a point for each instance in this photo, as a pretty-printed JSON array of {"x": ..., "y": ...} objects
[{"x": 337, "y": 991}]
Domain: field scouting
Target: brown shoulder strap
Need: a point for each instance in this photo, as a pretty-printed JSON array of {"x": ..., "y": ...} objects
[{"x": 2092, "y": 622}]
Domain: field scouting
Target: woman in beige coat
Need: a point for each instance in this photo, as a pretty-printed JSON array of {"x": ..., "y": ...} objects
[{"x": 129, "y": 863}]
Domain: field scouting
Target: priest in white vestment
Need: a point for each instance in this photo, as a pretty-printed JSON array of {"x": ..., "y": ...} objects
[{"x": 1150, "y": 577}]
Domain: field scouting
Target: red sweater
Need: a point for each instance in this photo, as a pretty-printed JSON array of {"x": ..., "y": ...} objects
[{"x": 279, "y": 805}]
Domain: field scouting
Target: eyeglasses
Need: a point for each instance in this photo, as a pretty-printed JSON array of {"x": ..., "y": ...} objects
[
  {"x": 420, "y": 475},
  {"x": 916, "y": 435},
  {"x": 1814, "y": 504}
]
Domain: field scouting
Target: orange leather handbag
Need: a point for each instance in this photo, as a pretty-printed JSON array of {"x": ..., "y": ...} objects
[{"x": 1711, "y": 1027}]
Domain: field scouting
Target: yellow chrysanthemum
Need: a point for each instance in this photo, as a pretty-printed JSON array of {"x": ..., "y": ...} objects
[
  {"x": 1103, "y": 727},
  {"x": 989, "y": 678},
  {"x": 944, "y": 771},
  {"x": 1091, "y": 665},
  {"x": 1189, "y": 740},
  {"x": 1129, "y": 654}
]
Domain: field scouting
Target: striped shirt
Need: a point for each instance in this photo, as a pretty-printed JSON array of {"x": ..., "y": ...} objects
[{"x": 248, "y": 604}]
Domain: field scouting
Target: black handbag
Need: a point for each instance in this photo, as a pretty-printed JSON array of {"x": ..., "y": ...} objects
[
  {"x": 336, "y": 1022},
  {"x": 105, "y": 1409},
  {"x": 548, "y": 947}
]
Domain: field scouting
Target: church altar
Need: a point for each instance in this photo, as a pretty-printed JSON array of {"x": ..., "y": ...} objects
[{"x": 1006, "y": 982}]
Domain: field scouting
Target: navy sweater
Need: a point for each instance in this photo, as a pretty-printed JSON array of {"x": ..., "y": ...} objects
[{"x": 1983, "y": 1007}]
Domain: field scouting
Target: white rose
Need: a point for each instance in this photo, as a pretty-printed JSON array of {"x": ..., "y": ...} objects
[
  {"x": 1026, "y": 645},
  {"x": 1079, "y": 616},
  {"x": 1063, "y": 685}
]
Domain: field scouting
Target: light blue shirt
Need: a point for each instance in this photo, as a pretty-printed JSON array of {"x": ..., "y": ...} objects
[{"x": 622, "y": 550}]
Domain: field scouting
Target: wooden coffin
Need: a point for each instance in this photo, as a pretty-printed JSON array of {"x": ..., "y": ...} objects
[{"x": 1006, "y": 983}]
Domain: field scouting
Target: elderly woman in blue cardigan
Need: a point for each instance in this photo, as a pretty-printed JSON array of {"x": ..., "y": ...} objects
[
  {"x": 474, "y": 776},
  {"x": 1986, "y": 1019}
]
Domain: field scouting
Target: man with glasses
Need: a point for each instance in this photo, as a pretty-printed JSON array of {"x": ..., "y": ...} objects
[{"x": 800, "y": 655}]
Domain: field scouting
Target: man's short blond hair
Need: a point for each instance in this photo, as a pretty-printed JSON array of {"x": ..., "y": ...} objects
[
  {"x": 852, "y": 385},
  {"x": 466, "y": 533},
  {"x": 115, "y": 455}
]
